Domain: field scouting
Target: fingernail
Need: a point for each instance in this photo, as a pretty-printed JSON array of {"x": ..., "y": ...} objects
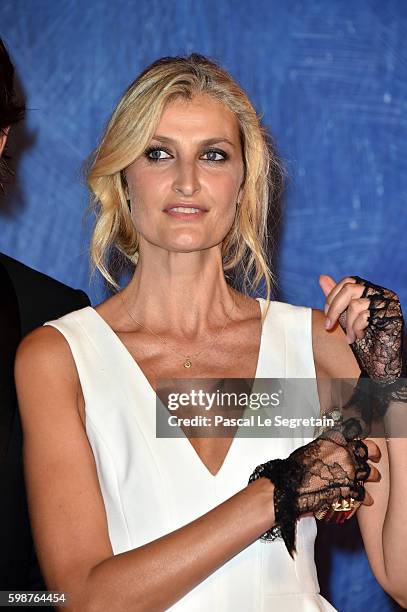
[
  {"x": 327, "y": 323},
  {"x": 326, "y": 308}
]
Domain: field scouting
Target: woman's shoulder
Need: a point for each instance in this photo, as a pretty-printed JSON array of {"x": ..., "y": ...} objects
[
  {"x": 69, "y": 317},
  {"x": 285, "y": 307},
  {"x": 44, "y": 353},
  {"x": 291, "y": 314}
]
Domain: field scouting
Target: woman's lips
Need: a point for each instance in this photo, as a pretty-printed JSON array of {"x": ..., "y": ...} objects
[{"x": 184, "y": 212}]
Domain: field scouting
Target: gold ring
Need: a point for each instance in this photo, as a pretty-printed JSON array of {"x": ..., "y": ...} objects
[{"x": 345, "y": 507}]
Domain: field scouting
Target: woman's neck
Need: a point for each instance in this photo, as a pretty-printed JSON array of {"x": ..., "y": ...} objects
[{"x": 187, "y": 292}]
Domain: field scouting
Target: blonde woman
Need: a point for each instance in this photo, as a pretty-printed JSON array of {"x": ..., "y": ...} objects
[{"x": 122, "y": 519}]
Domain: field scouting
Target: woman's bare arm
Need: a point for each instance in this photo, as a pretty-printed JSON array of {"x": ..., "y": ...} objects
[
  {"x": 382, "y": 525},
  {"x": 67, "y": 511}
]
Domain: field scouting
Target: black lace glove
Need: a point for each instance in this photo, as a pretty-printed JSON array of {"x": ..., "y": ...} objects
[
  {"x": 330, "y": 468},
  {"x": 381, "y": 354}
]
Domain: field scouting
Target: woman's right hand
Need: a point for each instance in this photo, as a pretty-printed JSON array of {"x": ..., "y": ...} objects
[
  {"x": 331, "y": 468},
  {"x": 335, "y": 467}
]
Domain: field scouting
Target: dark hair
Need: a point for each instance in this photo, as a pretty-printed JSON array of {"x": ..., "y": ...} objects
[{"x": 11, "y": 108}]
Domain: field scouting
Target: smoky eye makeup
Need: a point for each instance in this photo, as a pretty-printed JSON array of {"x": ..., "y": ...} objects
[
  {"x": 153, "y": 149},
  {"x": 223, "y": 154}
]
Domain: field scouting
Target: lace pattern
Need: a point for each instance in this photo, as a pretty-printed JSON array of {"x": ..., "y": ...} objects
[
  {"x": 381, "y": 355},
  {"x": 334, "y": 465},
  {"x": 312, "y": 478},
  {"x": 380, "y": 352}
]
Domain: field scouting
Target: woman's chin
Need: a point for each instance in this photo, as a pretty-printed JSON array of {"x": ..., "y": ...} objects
[
  {"x": 185, "y": 243},
  {"x": 188, "y": 248},
  {"x": 190, "y": 244}
]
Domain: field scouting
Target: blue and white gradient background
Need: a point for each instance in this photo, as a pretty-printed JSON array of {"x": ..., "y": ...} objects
[{"x": 329, "y": 78}]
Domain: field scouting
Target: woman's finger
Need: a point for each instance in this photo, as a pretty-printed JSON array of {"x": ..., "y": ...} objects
[
  {"x": 354, "y": 322},
  {"x": 374, "y": 475},
  {"x": 335, "y": 290},
  {"x": 341, "y": 302},
  {"x": 373, "y": 450},
  {"x": 360, "y": 324},
  {"x": 327, "y": 283},
  {"x": 368, "y": 501}
]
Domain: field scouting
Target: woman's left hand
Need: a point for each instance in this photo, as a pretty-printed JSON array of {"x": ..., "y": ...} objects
[
  {"x": 372, "y": 318},
  {"x": 344, "y": 304}
]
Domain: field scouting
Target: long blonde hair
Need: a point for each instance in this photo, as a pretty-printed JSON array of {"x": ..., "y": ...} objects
[{"x": 128, "y": 133}]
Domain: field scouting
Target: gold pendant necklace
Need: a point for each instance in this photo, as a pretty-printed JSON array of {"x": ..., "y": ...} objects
[{"x": 187, "y": 358}]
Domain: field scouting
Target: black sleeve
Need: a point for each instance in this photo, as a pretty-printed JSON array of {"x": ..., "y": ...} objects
[
  {"x": 32, "y": 298},
  {"x": 40, "y": 297},
  {"x": 83, "y": 299}
]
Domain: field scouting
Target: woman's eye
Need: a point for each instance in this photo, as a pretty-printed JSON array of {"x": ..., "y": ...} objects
[
  {"x": 213, "y": 152},
  {"x": 154, "y": 154}
]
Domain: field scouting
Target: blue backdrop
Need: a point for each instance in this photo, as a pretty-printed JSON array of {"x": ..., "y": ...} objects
[{"x": 329, "y": 77}]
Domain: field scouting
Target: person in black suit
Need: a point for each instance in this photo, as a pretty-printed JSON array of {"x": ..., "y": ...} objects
[{"x": 28, "y": 299}]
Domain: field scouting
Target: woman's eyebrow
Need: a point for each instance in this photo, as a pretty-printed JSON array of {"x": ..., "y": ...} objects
[{"x": 208, "y": 141}]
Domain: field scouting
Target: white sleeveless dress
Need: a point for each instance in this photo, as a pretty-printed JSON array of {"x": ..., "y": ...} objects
[{"x": 152, "y": 486}]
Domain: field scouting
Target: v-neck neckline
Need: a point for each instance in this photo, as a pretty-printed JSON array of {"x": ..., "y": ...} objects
[{"x": 134, "y": 364}]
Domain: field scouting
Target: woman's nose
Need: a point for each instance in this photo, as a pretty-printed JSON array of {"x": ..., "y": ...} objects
[{"x": 186, "y": 180}]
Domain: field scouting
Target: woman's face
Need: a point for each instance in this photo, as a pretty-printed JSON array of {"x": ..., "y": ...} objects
[{"x": 184, "y": 188}]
